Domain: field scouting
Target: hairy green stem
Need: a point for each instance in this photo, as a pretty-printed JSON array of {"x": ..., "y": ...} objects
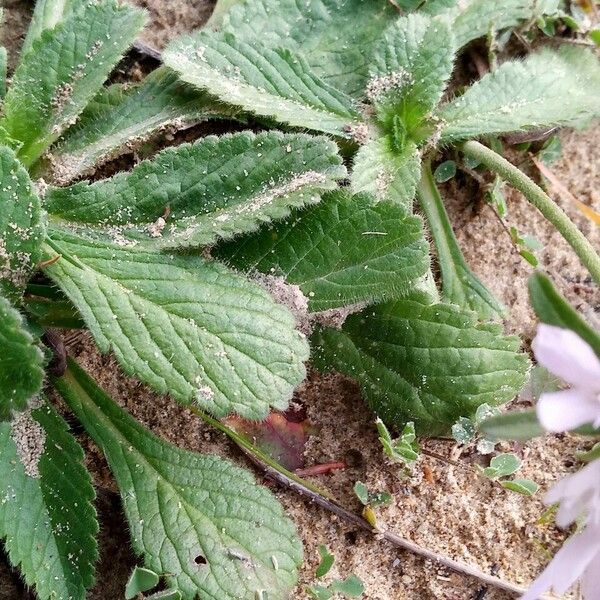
[
  {"x": 536, "y": 195},
  {"x": 459, "y": 283}
]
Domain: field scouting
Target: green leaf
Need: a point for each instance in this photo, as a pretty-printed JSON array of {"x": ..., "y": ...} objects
[
  {"x": 47, "y": 518},
  {"x": 592, "y": 454},
  {"x": 326, "y": 563},
  {"x": 404, "y": 449},
  {"x": 551, "y": 150},
  {"x": 463, "y": 431},
  {"x": 459, "y": 284},
  {"x": 270, "y": 82},
  {"x": 351, "y": 587},
  {"x": 63, "y": 71},
  {"x": 445, "y": 171},
  {"x": 472, "y": 19},
  {"x": 362, "y": 492},
  {"x": 346, "y": 250},
  {"x": 166, "y": 595},
  {"x": 521, "y": 425},
  {"x": 553, "y": 309},
  {"x": 214, "y": 188},
  {"x": 21, "y": 362},
  {"x": 546, "y": 89},
  {"x": 336, "y": 37},
  {"x": 187, "y": 327},
  {"x": 505, "y": 464},
  {"x": 3, "y": 67},
  {"x": 594, "y": 35},
  {"x": 319, "y": 592},
  {"x": 199, "y": 521},
  {"x": 410, "y": 69},
  {"x": 118, "y": 120},
  {"x": 141, "y": 580},
  {"x": 521, "y": 486},
  {"x": 386, "y": 172},
  {"x": 46, "y": 15},
  {"x": 22, "y": 225},
  {"x": 426, "y": 363}
]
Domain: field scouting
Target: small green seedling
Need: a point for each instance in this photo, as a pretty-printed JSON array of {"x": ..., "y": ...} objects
[
  {"x": 404, "y": 449},
  {"x": 505, "y": 465},
  {"x": 327, "y": 560},
  {"x": 369, "y": 498},
  {"x": 351, "y": 587},
  {"x": 466, "y": 430}
]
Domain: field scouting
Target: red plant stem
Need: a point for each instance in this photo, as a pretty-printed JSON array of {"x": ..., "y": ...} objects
[{"x": 320, "y": 469}]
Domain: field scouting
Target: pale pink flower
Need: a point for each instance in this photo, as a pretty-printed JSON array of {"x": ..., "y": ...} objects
[
  {"x": 572, "y": 359},
  {"x": 578, "y": 495}
]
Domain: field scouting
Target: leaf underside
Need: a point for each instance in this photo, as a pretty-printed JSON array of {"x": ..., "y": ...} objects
[
  {"x": 21, "y": 363},
  {"x": 546, "y": 89},
  {"x": 215, "y": 188},
  {"x": 186, "y": 326},
  {"x": 48, "y": 521},
  {"x": 421, "y": 362},
  {"x": 346, "y": 250},
  {"x": 118, "y": 120},
  {"x": 22, "y": 225},
  {"x": 63, "y": 71},
  {"x": 199, "y": 521}
]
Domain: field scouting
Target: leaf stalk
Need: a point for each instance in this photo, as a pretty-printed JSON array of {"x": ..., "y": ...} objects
[{"x": 536, "y": 195}]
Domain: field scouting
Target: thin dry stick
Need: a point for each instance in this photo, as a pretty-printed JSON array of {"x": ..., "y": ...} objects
[
  {"x": 276, "y": 472},
  {"x": 563, "y": 191},
  {"x": 392, "y": 538}
]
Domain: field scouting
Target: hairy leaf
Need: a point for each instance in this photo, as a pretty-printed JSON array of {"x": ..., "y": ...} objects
[
  {"x": 63, "y": 71},
  {"x": 21, "y": 362},
  {"x": 186, "y": 326},
  {"x": 546, "y": 89},
  {"x": 46, "y": 15},
  {"x": 387, "y": 172},
  {"x": 410, "y": 69},
  {"x": 553, "y": 309},
  {"x": 47, "y": 518},
  {"x": 214, "y": 188},
  {"x": 472, "y": 19},
  {"x": 424, "y": 363},
  {"x": 199, "y": 521},
  {"x": 117, "y": 120},
  {"x": 349, "y": 249},
  {"x": 270, "y": 82},
  {"x": 459, "y": 284},
  {"x": 335, "y": 36},
  {"x": 3, "y": 67},
  {"x": 22, "y": 225}
]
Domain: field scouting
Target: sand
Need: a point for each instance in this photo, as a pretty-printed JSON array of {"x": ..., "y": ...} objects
[{"x": 446, "y": 508}]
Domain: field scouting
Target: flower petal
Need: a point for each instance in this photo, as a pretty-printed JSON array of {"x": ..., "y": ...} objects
[
  {"x": 591, "y": 579},
  {"x": 567, "y": 409},
  {"x": 567, "y": 566},
  {"x": 577, "y": 493},
  {"x": 566, "y": 355}
]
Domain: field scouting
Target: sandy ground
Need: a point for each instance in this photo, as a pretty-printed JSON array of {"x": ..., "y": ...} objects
[{"x": 451, "y": 510}]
